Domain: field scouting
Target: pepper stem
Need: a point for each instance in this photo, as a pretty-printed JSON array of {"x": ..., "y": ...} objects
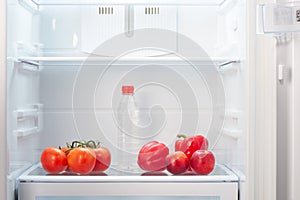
[{"x": 181, "y": 136}]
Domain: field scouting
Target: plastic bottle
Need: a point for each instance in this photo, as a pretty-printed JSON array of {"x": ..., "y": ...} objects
[{"x": 127, "y": 140}]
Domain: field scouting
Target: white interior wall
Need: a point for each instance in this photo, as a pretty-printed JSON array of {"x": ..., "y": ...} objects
[
  {"x": 232, "y": 43},
  {"x": 217, "y": 38},
  {"x": 59, "y": 110}
]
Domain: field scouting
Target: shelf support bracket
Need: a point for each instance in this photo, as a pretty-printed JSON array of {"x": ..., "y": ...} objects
[{"x": 33, "y": 66}]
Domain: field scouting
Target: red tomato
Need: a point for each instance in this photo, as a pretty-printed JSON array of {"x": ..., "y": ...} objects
[
  {"x": 66, "y": 150},
  {"x": 177, "y": 162},
  {"x": 103, "y": 159},
  {"x": 202, "y": 162},
  {"x": 194, "y": 143},
  {"x": 54, "y": 160},
  {"x": 152, "y": 156},
  {"x": 81, "y": 160}
]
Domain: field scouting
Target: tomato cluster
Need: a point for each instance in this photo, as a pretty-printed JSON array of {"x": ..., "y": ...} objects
[
  {"x": 80, "y": 158},
  {"x": 190, "y": 154}
]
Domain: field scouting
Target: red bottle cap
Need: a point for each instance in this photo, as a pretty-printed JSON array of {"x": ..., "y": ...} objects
[{"x": 127, "y": 89}]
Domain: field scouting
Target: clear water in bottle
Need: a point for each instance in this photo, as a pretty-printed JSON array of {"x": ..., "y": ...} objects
[{"x": 128, "y": 140}]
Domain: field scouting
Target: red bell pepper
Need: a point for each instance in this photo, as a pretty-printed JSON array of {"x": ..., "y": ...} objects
[
  {"x": 191, "y": 144},
  {"x": 152, "y": 156}
]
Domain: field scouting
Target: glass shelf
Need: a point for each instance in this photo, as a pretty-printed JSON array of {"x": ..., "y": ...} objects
[
  {"x": 37, "y": 174},
  {"x": 128, "y": 2},
  {"x": 48, "y": 61}
]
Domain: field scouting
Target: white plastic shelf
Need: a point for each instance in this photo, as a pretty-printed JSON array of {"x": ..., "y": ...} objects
[
  {"x": 278, "y": 18},
  {"x": 35, "y": 5},
  {"x": 128, "y": 2},
  {"x": 37, "y": 174}
]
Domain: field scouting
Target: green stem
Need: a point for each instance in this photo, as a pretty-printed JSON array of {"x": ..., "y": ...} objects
[
  {"x": 67, "y": 150},
  {"x": 181, "y": 136},
  {"x": 68, "y": 145},
  {"x": 98, "y": 144},
  {"x": 93, "y": 144},
  {"x": 76, "y": 144}
]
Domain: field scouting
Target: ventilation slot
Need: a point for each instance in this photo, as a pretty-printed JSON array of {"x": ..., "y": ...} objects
[
  {"x": 151, "y": 10},
  {"x": 106, "y": 10}
]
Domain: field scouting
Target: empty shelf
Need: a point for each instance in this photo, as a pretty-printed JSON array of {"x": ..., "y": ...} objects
[{"x": 105, "y": 60}]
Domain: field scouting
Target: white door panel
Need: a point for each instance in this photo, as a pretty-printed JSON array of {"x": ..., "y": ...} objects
[
  {"x": 295, "y": 135},
  {"x": 3, "y": 100}
]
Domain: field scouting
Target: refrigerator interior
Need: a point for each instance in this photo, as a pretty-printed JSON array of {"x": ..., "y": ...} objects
[{"x": 55, "y": 54}]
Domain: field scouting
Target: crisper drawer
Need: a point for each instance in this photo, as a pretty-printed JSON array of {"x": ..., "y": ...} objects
[
  {"x": 35, "y": 184},
  {"x": 132, "y": 191}
]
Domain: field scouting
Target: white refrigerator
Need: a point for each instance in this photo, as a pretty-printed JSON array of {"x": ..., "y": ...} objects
[{"x": 225, "y": 69}]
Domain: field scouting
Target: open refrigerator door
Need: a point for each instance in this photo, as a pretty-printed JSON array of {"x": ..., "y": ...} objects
[
  {"x": 3, "y": 158},
  {"x": 279, "y": 22}
]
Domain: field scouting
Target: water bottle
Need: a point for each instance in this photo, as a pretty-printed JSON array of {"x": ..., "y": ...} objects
[{"x": 128, "y": 140}]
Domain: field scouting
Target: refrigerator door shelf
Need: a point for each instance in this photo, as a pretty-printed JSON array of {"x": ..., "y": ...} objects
[
  {"x": 37, "y": 174},
  {"x": 277, "y": 18}
]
